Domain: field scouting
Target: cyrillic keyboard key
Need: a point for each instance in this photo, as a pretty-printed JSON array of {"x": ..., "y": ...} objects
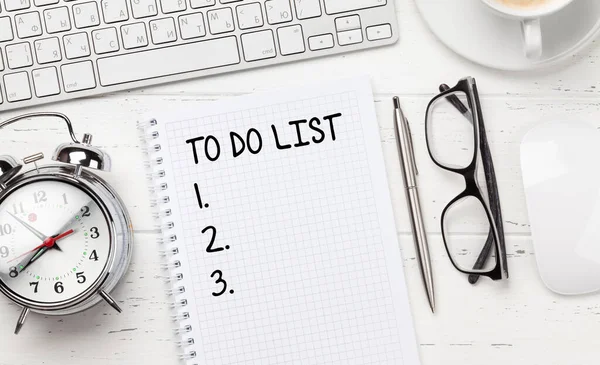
[
  {"x": 220, "y": 21},
  {"x": 278, "y": 11},
  {"x": 340, "y": 6},
  {"x": 47, "y": 50},
  {"x": 28, "y": 24},
  {"x": 17, "y": 87},
  {"x": 57, "y": 20},
  {"x": 76, "y": 45},
  {"x": 250, "y": 16},
  {"x": 143, "y": 8},
  {"x": 12, "y": 5},
  {"x": 86, "y": 15},
  {"x": 134, "y": 35},
  {"x": 168, "y": 61},
  {"x": 172, "y": 6},
  {"x": 114, "y": 11},
  {"x": 78, "y": 76},
  {"x": 258, "y": 45},
  {"x": 163, "y": 31},
  {"x": 192, "y": 26}
]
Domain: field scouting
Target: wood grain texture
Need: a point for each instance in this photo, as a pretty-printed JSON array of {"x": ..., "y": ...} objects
[{"x": 514, "y": 322}]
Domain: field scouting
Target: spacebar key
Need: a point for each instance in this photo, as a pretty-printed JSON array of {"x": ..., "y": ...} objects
[
  {"x": 168, "y": 61},
  {"x": 340, "y": 6}
]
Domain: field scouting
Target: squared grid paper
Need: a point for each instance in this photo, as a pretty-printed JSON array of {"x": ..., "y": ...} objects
[{"x": 307, "y": 261}]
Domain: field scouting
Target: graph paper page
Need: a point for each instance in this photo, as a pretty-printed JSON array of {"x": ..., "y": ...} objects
[{"x": 285, "y": 229}]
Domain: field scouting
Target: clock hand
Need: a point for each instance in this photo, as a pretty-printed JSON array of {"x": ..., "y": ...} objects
[
  {"x": 37, "y": 233},
  {"x": 38, "y": 251},
  {"x": 74, "y": 218}
]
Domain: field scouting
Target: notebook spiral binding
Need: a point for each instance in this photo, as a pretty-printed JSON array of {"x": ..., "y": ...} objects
[{"x": 168, "y": 241}]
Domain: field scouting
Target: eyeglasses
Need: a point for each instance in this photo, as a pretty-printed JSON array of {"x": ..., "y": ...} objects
[{"x": 457, "y": 142}]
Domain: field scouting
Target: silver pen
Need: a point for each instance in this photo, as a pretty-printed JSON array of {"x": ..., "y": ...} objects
[{"x": 410, "y": 172}]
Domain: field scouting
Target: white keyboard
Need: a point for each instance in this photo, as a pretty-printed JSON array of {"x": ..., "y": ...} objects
[{"x": 52, "y": 50}]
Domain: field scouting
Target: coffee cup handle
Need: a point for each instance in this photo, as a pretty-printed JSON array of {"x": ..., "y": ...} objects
[{"x": 532, "y": 38}]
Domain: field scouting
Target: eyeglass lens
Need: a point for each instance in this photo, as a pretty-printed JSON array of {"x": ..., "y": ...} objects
[{"x": 466, "y": 221}]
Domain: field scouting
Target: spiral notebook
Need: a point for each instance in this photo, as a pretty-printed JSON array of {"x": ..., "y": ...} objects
[{"x": 279, "y": 231}]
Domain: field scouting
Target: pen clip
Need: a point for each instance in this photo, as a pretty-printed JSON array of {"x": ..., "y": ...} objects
[{"x": 412, "y": 148}]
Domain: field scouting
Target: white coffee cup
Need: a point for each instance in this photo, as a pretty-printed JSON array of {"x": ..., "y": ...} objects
[{"x": 530, "y": 17}]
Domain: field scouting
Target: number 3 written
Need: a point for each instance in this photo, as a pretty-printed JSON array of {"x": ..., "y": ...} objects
[{"x": 220, "y": 280}]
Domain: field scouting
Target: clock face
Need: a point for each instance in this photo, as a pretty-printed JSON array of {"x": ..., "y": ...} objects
[{"x": 54, "y": 241}]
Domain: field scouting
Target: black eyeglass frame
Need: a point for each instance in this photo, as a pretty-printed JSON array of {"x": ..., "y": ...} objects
[{"x": 469, "y": 173}]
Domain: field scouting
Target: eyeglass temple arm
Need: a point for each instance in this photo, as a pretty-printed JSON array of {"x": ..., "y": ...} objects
[{"x": 492, "y": 187}]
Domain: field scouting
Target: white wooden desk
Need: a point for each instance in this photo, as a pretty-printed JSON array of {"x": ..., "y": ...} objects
[{"x": 513, "y": 322}]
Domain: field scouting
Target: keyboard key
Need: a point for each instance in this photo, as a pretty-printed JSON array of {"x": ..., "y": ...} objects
[
  {"x": 45, "y": 2},
  {"x": 6, "y": 33},
  {"x": 340, "y": 6},
  {"x": 143, "y": 8},
  {"x": 45, "y": 82},
  {"x": 278, "y": 11},
  {"x": 114, "y": 11},
  {"x": 168, "y": 61},
  {"x": 134, "y": 36},
  {"x": 47, "y": 50},
  {"x": 250, "y": 16},
  {"x": 291, "y": 40},
  {"x": 163, "y": 31},
  {"x": 76, "y": 45},
  {"x": 172, "y": 6},
  {"x": 347, "y": 23},
  {"x": 86, "y": 15},
  {"x": 378, "y": 32},
  {"x": 105, "y": 40},
  {"x": 19, "y": 55},
  {"x": 220, "y": 21},
  {"x": 12, "y": 5},
  {"x": 306, "y": 9},
  {"x": 350, "y": 37},
  {"x": 1, "y": 61},
  {"x": 57, "y": 20},
  {"x": 78, "y": 76},
  {"x": 258, "y": 45},
  {"x": 28, "y": 24},
  {"x": 320, "y": 42},
  {"x": 196, "y": 4},
  {"x": 17, "y": 87},
  {"x": 192, "y": 26}
]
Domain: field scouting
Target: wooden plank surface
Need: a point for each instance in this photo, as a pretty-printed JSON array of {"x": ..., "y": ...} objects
[{"x": 516, "y": 322}]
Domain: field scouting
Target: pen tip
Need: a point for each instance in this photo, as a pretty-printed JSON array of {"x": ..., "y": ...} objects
[{"x": 396, "y": 102}]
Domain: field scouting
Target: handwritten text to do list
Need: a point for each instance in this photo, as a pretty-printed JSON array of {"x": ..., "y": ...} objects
[{"x": 311, "y": 131}]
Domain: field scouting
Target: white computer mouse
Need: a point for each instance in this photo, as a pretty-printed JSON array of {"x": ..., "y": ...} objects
[{"x": 560, "y": 162}]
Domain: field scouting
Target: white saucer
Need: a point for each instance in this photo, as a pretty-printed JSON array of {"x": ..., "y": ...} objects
[{"x": 470, "y": 29}]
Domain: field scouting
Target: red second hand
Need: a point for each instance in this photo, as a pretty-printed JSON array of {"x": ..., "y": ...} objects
[{"x": 48, "y": 242}]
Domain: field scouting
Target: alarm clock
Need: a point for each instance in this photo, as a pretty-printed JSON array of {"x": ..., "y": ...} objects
[{"x": 65, "y": 235}]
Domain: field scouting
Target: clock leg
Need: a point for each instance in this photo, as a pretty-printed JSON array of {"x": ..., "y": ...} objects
[
  {"x": 110, "y": 300},
  {"x": 21, "y": 320}
]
